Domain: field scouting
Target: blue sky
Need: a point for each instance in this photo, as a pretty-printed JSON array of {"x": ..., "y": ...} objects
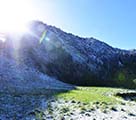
[{"x": 111, "y": 21}]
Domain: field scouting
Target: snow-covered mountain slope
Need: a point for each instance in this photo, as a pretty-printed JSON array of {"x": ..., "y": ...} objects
[{"x": 33, "y": 60}]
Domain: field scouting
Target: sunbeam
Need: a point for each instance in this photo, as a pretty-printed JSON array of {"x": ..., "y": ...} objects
[{"x": 14, "y": 15}]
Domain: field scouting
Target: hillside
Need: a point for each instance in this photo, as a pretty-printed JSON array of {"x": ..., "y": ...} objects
[
  {"x": 39, "y": 71},
  {"x": 27, "y": 63}
]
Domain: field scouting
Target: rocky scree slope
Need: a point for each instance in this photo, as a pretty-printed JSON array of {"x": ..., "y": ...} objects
[
  {"x": 28, "y": 63},
  {"x": 18, "y": 72}
]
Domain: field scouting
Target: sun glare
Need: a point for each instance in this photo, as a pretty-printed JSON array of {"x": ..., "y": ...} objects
[{"x": 14, "y": 14}]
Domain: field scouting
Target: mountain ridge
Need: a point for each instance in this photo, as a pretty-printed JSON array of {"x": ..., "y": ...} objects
[{"x": 65, "y": 57}]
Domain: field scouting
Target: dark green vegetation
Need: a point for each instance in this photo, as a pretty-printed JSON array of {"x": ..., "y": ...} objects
[
  {"x": 70, "y": 71},
  {"x": 125, "y": 78}
]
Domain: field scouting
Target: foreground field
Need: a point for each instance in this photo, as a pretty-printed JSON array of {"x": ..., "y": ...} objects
[{"x": 82, "y": 103}]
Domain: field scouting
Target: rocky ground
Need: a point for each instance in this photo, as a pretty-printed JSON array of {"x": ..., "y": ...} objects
[
  {"x": 15, "y": 107},
  {"x": 40, "y": 107},
  {"x": 75, "y": 110}
]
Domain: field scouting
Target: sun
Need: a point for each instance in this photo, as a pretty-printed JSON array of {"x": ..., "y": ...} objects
[{"x": 14, "y": 14}]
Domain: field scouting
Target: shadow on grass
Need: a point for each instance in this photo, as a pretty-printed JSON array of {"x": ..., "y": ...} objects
[
  {"x": 127, "y": 95},
  {"x": 16, "y": 105}
]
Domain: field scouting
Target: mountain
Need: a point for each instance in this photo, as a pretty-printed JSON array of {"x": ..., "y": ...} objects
[{"x": 47, "y": 57}]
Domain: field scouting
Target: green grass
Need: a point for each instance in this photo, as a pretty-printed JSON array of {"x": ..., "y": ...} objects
[{"x": 91, "y": 94}]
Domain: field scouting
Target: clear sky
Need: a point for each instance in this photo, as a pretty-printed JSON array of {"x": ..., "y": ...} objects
[{"x": 111, "y": 21}]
